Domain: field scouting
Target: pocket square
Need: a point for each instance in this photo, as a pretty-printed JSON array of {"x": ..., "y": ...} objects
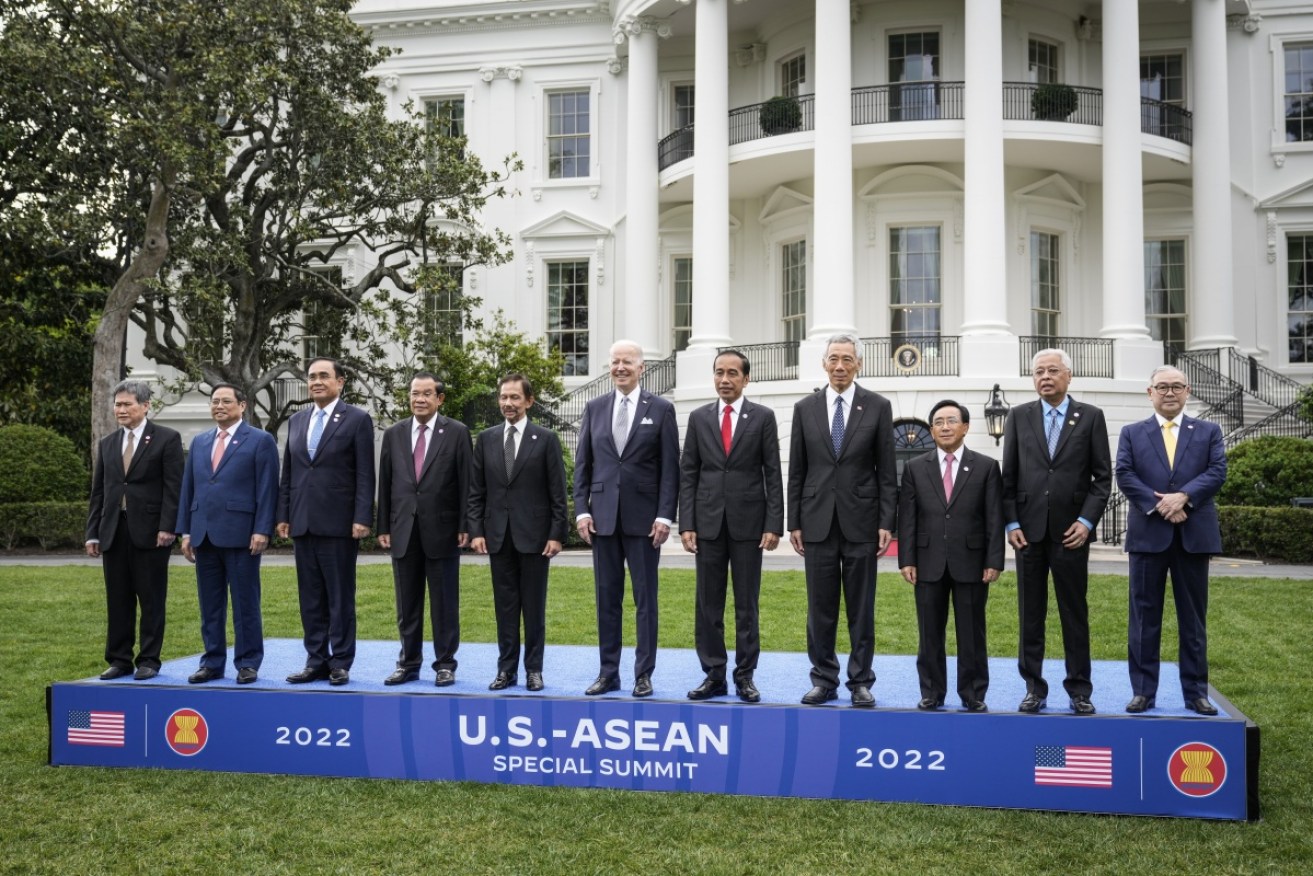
[{"x": 647, "y": 421}]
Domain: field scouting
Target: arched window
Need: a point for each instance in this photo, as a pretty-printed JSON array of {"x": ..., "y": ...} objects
[{"x": 911, "y": 439}]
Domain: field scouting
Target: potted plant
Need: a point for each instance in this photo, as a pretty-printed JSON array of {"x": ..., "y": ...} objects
[
  {"x": 1053, "y": 101},
  {"x": 780, "y": 115}
]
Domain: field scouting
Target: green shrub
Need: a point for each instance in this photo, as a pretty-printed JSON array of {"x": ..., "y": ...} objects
[
  {"x": 1053, "y": 101},
  {"x": 1268, "y": 472},
  {"x": 780, "y": 115},
  {"x": 39, "y": 465},
  {"x": 1280, "y": 534},
  {"x": 48, "y": 524}
]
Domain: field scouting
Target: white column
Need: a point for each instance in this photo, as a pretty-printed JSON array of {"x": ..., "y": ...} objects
[
  {"x": 1123, "y": 179},
  {"x": 711, "y": 177},
  {"x": 984, "y": 246},
  {"x": 831, "y": 301},
  {"x": 1211, "y": 317},
  {"x": 641, "y": 295}
]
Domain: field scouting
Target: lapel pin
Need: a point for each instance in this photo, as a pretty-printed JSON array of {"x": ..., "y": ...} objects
[
  {"x": 966, "y": 468},
  {"x": 859, "y": 407},
  {"x": 1071, "y": 422},
  {"x": 534, "y": 437}
]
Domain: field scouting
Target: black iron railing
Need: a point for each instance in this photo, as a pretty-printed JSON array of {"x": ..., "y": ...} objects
[
  {"x": 906, "y": 102},
  {"x": 1075, "y": 104},
  {"x": 1269, "y": 386},
  {"x": 777, "y": 361},
  {"x": 747, "y": 123},
  {"x": 910, "y": 356},
  {"x": 1090, "y": 357},
  {"x": 675, "y": 147},
  {"x": 1283, "y": 421},
  {"x": 658, "y": 377},
  {"x": 1166, "y": 120}
]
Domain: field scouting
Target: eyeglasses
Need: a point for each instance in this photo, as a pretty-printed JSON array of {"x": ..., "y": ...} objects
[
  {"x": 1172, "y": 388},
  {"x": 946, "y": 421},
  {"x": 1051, "y": 371}
]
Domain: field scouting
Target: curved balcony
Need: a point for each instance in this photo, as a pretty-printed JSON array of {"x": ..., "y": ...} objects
[{"x": 931, "y": 101}]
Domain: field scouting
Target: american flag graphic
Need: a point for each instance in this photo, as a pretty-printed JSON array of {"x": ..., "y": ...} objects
[
  {"x": 92, "y": 727},
  {"x": 1073, "y": 766}
]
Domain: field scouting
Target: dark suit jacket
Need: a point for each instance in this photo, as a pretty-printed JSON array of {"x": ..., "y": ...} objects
[
  {"x": 638, "y": 487},
  {"x": 151, "y": 485},
  {"x": 1046, "y": 496},
  {"x": 861, "y": 483},
  {"x": 327, "y": 495},
  {"x": 742, "y": 493},
  {"x": 531, "y": 502},
  {"x": 962, "y": 536},
  {"x": 1199, "y": 472},
  {"x": 436, "y": 504},
  {"x": 229, "y": 504}
]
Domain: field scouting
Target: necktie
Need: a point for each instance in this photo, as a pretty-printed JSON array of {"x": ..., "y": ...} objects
[
  {"x": 836, "y": 426},
  {"x": 948, "y": 476},
  {"x": 218, "y": 450},
  {"x": 1169, "y": 439},
  {"x": 1055, "y": 429},
  {"x": 317, "y": 432},
  {"x": 621, "y": 431},
  {"x": 421, "y": 447},
  {"x": 508, "y": 451},
  {"x": 727, "y": 428},
  {"x": 127, "y": 461}
]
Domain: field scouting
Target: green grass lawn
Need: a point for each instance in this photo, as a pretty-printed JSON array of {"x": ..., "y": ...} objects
[{"x": 73, "y": 821}]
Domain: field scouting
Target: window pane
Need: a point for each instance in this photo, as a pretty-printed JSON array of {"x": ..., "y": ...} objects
[
  {"x": 915, "y": 281},
  {"x": 568, "y": 125},
  {"x": 567, "y": 314}
]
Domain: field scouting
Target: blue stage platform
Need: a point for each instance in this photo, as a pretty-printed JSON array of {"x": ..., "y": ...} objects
[{"x": 1167, "y": 762}]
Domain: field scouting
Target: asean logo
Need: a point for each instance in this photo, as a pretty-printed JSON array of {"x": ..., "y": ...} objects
[
  {"x": 1197, "y": 769},
  {"x": 186, "y": 732}
]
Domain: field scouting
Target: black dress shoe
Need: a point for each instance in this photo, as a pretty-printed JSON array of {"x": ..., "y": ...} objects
[
  {"x": 534, "y": 681},
  {"x": 602, "y": 685},
  {"x": 1081, "y": 705},
  {"x": 247, "y": 674},
  {"x": 643, "y": 686},
  {"x": 1031, "y": 704},
  {"x": 818, "y": 695},
  {"x": 339, "y": 677},
  {"x": 862, "y": 697},
  {"x": 114, "y": 672},
  {"x": 710, "y": 687},
  {"x": 503, "y": 681},
  {"x": 401, "y": 676},
  {"x": 975, "y": 706},
  {"x": 204, "y": 674},
  {"x": 1202, "y": 706},
  {"x": 1139, "y": 704},
  {"x": 929, "y": 704},
  {"x": 145, "y": 672},
  {"x": 747, "y": 691},
  {"x": 317, "y": 673},
  {"x": 445, "y": 678}
]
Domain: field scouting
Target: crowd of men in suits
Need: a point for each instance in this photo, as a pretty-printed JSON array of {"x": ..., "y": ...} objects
[{"x": 503, "y": 493}]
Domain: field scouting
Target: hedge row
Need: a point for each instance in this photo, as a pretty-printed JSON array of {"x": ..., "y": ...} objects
[
  {"x": 48, "y": 524},
  {"x": 1275, "y": 534}
]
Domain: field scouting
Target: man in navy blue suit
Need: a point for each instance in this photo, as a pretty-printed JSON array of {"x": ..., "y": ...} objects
[
  {"x": 626, "y": 491},
  {"x": 226, "y": 518},
  {"x": 1170, "y": 467},
  {"x": 325, "y": 504}
]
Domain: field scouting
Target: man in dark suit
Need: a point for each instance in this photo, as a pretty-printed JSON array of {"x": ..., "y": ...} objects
[
  {"x": 226, "y": 518},
  {"x": 518, "y": 515},
  {"x": 134, "y": 507},
  {"x": 423, "y": 489},
  {"x": 626, "y": 492},
  {"x": 1170, "y": 467},
  {"x": 842, "y": 485},
  {"x": 1057, "y": 475},
  {"x": 950, "y": 546},
  {"x": 325, "y": 498},
  {"x": 731, "y": 508}
]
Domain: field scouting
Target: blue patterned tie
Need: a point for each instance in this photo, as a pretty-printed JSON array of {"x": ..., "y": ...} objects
[
  {"x": 317, "y": 432},
  {"x": 1055, "y": 429},
  {"x": 836, "y": 427}
]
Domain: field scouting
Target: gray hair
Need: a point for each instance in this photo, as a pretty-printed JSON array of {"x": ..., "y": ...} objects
[
  {"x": 633, "y": 345},
  {"x": 844, "y": 338},
  {"x": 1161, "y": 368},
  {"x": 1052, "y": 351},
  {"x": 138, "y": 389}
]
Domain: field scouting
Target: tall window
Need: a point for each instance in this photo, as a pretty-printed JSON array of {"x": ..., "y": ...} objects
[
  {"x": 681, "y": 115},
  {"x": 793, "y": 73},
  {"x": 567, "y": 314},
  {"x": 1164, "y": 290},
  {"x": 441, "y": 314},
  {"x": 683, "y": 317},
  {"x": 1299, "y": 92},
  {"x": 793, "y": 290},
  {"x": 1299, "y": 297},
  {"x": 568, "y": 142},
  {"x": 915, "y": 284},
  {"x": 446, "y": 115},
  {"x": 913, "y": 61},
  {"x": 1045, "y": 284},
  {"x": 1162, "y": 77},
  {"x": 1042, "y": 62},
  {"x": 323, "y": 324}
]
